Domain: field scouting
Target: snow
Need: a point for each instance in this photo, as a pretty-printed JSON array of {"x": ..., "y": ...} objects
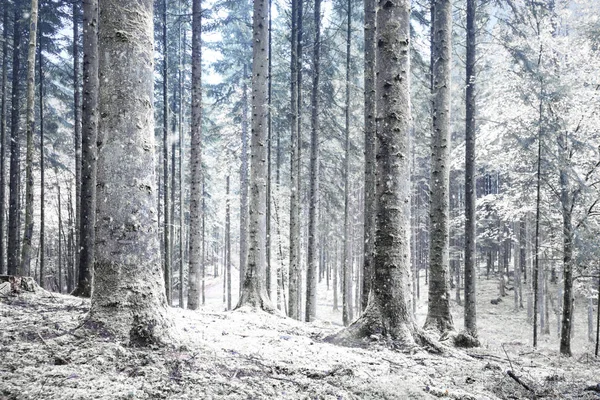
[{"x": 245, "y": 354}]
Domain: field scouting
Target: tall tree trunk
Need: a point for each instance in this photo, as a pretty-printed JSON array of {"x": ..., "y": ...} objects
[
  {"x": 470, "y": 181},
  {"x": 128, "y": 295},
  {"x": 294, "y": 266},
  {"x": 370, "y": 136},
  {"x": 29, "y": 127},
  {"x": 438, "y": 310},
  {"x": 42, "y": 246},
  {"x": 347, "y": 314},
  {"x": 203, "y": 266},
  {"x": 89, "y": 123},
  {"x": 13, "y": 248},
  {"x": 228, "y": 244},
  {"x": 244, "y": 183},
  {"x": 313, "y": 210},
  {"x": 167, "y": 215},
  {"x": 182, "y": 47},
  {"x": 77, "y": 123},
  {"x": 269, "y": 140},
  {"x": 253, "y": 291},
  {"x": 537, "y": 229},
  {"x": 388, "y": 313},
  {"x": 3, "y": 137},
  {"x": 60, "y": 238},
  {"x": 196, "y": 178}
]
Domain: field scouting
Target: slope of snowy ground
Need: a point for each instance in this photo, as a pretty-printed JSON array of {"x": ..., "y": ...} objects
[{"x": 47, "y": 354}]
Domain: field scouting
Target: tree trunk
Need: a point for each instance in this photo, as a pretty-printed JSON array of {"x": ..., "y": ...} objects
[
  {"x": 167, "y": 214},
  {"x": 313, "y": 209},
  {"x": 60, "y": 240},
  {"x": 347, "y": 314},
  {"x": 244, "y": 183},
  {"x": 597, "y": 320},
  {"x": 15, "y": 150},
  {"x": 388, "y": 313},
  {"x": 3, "y": 138},
  {"x": 128, "y": 296},
  {"x": 42, "y": 246},
  {"x": 196, "y": 198},
  {"x": 77, "y": 122},
  {"x": 269, "y": 140},
  {"x": 228, "y": 245},
  {"x": 253, "y": 291},
  {"x": 182, "y": 48},
  {"x": 294, "y": 266},
  {"x": 537, "y": 229},
  {"x": 335, "y": 278},
  {"x": 89, "y": 124},
  {"x": 438, "y": 312}
]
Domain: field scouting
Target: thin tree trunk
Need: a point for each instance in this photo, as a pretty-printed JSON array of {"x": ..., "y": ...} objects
[
  {"x": 244, "y": 183},
  {"x": 3, "y": 108},
  {"x": 228, "y": 244},
  {"x": 128, "y": 294},
  {"x": 438, "y": 310},
  {"x": 537, "y": 230},
  {"x": 470, "y": 280},
  {"x": 253, "y": 291},
  {"x": 42, "y": 246},
  {"x": 269, "y": 140},
  {"x": 598, "y": 320},
  {"x": 167, "y": 214},
  {"x": 60, "y": 236},
  {"x": 182, "y": 47},
  {"x": 335, "y": 277},
  {"x": 196, "y": 183},
  {"x": 29, "y": 127},
  {"x": 313, "y": 210},
  {"x": 89, "y": 154},
  {"x": 294, "y": 266},
  {"x": 203, "y": 241},
  {"x": 77, "y": 123}
]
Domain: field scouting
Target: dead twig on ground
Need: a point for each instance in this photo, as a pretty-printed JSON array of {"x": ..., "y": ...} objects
[{"x": 519, "y": 381}]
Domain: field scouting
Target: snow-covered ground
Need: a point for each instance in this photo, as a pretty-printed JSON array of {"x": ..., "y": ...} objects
[{"x": 249, "y": 355}]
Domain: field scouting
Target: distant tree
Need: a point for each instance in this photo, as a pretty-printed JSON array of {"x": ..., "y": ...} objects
[{"x": 128, "y": 296}]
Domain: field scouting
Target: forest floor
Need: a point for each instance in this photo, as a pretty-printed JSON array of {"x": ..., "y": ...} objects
[{"x": 46, "y": 354}]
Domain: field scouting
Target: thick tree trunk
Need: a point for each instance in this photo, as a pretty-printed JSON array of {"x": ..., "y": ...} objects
[
  {"x": 438, "y": 312},
  {"x": 294, "y": 266},
  {"x": 388, "y": 313},
  {"x": 470, "y": 181},
  {"x": 15, "y": 150},
  {"x": 196, "y": 198},
  {"x": 253, "y": 286},
  {"x": 3, "y": 138},
  {"x": 89, "y": 124},
  {"x": 244, "y": 184},
  {"x": 167, "y": 214},
  {"x": 313, "y": 209},
  {"x": 128, "y": 296}
]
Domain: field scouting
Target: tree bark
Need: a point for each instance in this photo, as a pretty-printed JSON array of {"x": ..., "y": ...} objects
[
  {"x": 128, "y": 296},
  {"x": 438, "y": 311},
  {"x": 228, "y": 245},
  {"x": 470, "y": 280},
  {"x": 253, "y": 286},
  {"x": 182, "y": 47},
  {"x": 60, "y": 237},
  {"x": 3, "y": 138},
  {"x": 89, "y": 123},
  {"x": 388, "y": 313},
  {"x": 196, "y": 198},
  {"x": 269, "y": 273},
  {"x": 294, "y": 266},
  {"x": 42, "y": 246},
  {"x": 244, "y": 183},
  {"x": 313, "y": 210},
  {"x": 77, "y": 123},
  {"x": 537, "y": 229},
  {"x": 167, "y": 214}
]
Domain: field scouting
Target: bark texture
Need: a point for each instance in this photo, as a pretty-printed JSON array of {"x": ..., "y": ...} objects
[
  {"x": 195, "y": 250},
  {"x": 438, "y": 312},
  {"x": 42, "y": 247},
  {"x": 77, "y": 122},
  {"x": 3, "y": 138},
  {"x": 370, "y": 138},
  {"x": 244, "y": 183},
  {"x": 167, "y": 214},
  {"x": 388, "y": 315},
  {"x": 568, "y": 262},
  {"x": 470, "y": 183},
  {"x": 313, "y": 210},
  {"x": 128, "y": 297},
  {"x": 89, "y": 123},
  {"x": 253, "y": 287}
]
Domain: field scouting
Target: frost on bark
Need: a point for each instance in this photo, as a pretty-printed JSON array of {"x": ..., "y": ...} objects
[
  {"x": 370, "y": 128},
  {"x": 253, "y": 287},
  {"x": 195, "y": 250},
  {"x": 89, "y": 128},
  {"x": 29, "y": 126},
  {"x": 470, "y": 183},
  {"x": 128, "y": 297},
  {"x": 313, "y": 210},
  {"x": 438, "y": 312},
  {"x": 388, "y": 315}
]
